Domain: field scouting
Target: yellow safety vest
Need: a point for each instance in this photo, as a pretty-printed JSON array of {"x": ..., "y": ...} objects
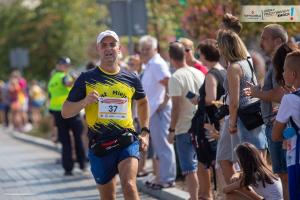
[{"x": 58, "y": 91}]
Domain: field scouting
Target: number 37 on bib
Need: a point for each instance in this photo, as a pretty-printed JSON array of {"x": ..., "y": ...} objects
[{"x": 112, "y": 108}]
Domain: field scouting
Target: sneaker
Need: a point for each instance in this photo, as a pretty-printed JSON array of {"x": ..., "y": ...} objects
[{"x": 68, "y": 173}]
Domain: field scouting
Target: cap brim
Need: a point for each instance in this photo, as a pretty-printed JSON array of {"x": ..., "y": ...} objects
[{"x": 101, "y": 37}]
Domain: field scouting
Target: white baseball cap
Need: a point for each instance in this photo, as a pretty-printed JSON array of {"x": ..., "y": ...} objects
[{"x": 105, "y": 34}]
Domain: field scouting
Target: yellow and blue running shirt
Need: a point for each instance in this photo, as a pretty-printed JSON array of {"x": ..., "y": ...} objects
[{"x": 112, "y": 113}]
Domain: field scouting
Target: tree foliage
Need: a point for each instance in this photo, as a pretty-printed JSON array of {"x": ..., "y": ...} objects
[
  {"x": 55, "y": 28},
  {"x": 164, "y": 18}
]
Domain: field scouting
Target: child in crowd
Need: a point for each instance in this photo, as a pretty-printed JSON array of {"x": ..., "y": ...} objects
[
  {"x": 289, "y": 113},
  {"x": 256, "y": 180}
]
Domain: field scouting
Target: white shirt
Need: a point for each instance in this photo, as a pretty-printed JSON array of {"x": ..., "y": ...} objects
[
  {"x": 181, "y": 82},
  {"x": 290, "y": 107},
  {"x": 271, "y": 191},
  {"x": 155, "y": 70}
]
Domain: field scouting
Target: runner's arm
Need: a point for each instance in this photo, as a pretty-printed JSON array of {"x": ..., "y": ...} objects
[
  {"x": 143, "y": 115},
  {"x": 70, "y": 109},
  {"x": 143, "y": 112}
]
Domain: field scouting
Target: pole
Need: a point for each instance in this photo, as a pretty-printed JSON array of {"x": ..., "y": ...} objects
[{"x": 129, "y": 25}]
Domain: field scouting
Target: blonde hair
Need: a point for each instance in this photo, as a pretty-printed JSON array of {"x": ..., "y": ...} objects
[
  {"x": 292, "y": 60},
  {"x": 231, "y": 46},
  {"x": 187, "y": 43}
]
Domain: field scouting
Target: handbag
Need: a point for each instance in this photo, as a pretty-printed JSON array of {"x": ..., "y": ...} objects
[{"x": 250, "y": 114}]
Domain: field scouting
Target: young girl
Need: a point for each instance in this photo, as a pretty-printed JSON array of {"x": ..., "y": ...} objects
[{"x": 256, "y": 180}]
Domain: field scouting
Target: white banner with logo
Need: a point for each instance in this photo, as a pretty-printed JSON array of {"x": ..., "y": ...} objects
[{"x": 257, "y": 13}]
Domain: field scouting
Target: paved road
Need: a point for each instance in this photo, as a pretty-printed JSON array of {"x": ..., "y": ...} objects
[{"x": 30, "y": 172}]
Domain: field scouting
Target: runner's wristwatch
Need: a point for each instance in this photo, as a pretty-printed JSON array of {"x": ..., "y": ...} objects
[{"x": 145, "y": 129}]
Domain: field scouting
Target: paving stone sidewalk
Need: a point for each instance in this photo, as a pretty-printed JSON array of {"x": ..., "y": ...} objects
[{"x": 30, "y": 172}]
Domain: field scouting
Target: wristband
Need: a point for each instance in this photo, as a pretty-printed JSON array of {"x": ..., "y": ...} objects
[{"x": 145, "y": 129}]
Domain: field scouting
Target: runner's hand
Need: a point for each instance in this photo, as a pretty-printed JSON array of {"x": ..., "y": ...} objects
[
  {"x": 144, "y": 141},
  {"x": 92, "y": 97}
]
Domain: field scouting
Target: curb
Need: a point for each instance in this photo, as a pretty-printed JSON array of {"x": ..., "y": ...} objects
[
  {"x": 34, "y": 140},
  {"x": 164, "y": 194}
]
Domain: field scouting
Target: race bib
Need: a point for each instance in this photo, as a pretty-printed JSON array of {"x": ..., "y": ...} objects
[{"x": 112, "y": 108}]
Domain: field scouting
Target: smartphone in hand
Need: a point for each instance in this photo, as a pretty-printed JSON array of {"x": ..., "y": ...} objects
[{"x": 190, "y": 95}]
